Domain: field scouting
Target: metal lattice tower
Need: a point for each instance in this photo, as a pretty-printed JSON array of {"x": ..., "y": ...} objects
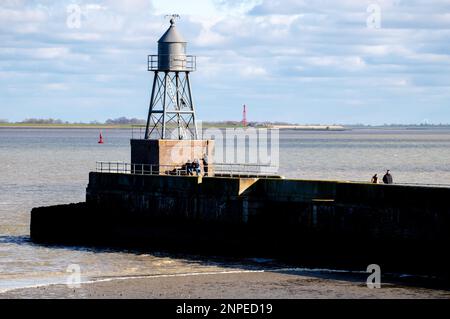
[{"x": 171, "y": 112}]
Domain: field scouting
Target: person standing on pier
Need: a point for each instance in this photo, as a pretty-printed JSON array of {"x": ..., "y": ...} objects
[
  {"x": 205, "y": 164},
  {"x": 196, "y": 166},
  {"x": 374, "y": 179},
  {"x": 189, "y": 168},
  {"x": 387, "y": 178}
]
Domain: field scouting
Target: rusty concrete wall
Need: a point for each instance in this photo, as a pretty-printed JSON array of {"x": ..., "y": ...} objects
[{"x": 171, "y": 152}]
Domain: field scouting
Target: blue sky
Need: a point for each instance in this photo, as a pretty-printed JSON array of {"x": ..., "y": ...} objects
[{"x": 300, "y": 61}]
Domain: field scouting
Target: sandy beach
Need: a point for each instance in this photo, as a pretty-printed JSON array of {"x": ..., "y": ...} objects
[{"x": 248, "y": 285}]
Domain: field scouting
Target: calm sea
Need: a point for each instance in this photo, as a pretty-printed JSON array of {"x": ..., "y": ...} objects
[{"x": 41, "y": 167}]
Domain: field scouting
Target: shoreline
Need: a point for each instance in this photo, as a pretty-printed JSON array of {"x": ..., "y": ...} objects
[
  {"x": 310, "y": 128},
  {"x": 68, "y": 126},
  {"x": 288, "y": 284},
  {"x": 127, "y": 126}
]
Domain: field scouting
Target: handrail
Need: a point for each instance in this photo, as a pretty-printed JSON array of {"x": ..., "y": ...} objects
[
  {"x": 138, "y": 131},
  {"x": 405, "y": 184},
  {"x": 176, "y": 62},
  {"x": 232, "y": 170},
  {"x": 220, "y": 169}
]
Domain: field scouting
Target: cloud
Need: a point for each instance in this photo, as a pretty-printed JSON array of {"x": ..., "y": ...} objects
[
  {"x": 50, "y": 53},
  {"x": 251, "y": 71},
  {"x": 130, "y": 6},
  {"x": 265, "y": 53},
  {"x": 55, "y": 86}
]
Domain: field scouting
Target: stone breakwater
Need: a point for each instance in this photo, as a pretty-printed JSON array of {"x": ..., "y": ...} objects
[{"x": 316, "y": 223}]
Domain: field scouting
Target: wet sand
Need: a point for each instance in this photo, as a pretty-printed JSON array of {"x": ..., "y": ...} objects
[{"x": 249, "y": 285}]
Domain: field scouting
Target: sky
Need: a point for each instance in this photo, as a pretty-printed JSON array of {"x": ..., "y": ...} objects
[{"x": 298, "y": 61}]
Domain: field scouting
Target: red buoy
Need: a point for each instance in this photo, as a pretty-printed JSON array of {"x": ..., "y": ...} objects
[{"x": 100, "y": 141}]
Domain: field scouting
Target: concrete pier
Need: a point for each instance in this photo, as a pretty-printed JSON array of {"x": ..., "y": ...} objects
[{"x": 317, "y": 223}]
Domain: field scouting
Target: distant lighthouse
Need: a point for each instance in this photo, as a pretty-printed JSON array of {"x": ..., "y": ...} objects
[{"x": 171, "y": 113}]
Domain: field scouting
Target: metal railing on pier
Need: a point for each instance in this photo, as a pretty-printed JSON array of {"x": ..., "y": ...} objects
[
  {"x": 424, "y": 184},
  {"x": 245, "y": 170},
  {"x": 138, "y": 132},
  {"x": 408, "y": 184},
  {"x": 139, "y": 169},
  {"x": 217, "y": 169}
]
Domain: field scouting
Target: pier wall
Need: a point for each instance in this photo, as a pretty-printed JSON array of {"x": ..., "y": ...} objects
[
  {"x": 381, "y": 210},
  {"x": 322, "y": 222}
]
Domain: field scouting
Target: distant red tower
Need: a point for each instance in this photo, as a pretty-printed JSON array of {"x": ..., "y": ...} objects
[{"x": 244, "y": 116}]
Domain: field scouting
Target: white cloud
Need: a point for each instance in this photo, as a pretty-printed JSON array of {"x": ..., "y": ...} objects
[
  {"x": 250, "y": 71},
  {"x": 56, "y": 86},
  {"x": 383, "y": 50},
  {"x": 49, "y": 53},
  {"x": 267, "y": 46},
  {"x": 183, "y": 7},
  {"x": 208, "y": 38},
  {"x": 20, "y": 16},
  {"x": 349, "y": 63},
  {"x": 131, "y": 6}
]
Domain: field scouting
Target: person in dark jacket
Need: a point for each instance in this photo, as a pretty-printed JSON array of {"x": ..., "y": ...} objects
[
  {"x": 196, "y": 167},
  {"x": 374, "y": 179},
  {"x": 205, "y": 164},
  {"x": 387, "y": 178},
  {"x": 189, "y": 168}
]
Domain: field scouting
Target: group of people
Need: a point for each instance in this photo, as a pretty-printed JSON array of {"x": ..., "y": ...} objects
[
  {"x": 194, "y": 166},
  {"x": 387, "y": 178}
]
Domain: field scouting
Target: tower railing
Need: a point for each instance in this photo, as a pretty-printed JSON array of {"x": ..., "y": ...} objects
[{"x": 175, "y": 63}]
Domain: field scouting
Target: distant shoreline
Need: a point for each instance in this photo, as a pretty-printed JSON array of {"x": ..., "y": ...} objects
[
  {"x": 328, "y": 128},
  {"x": 66, "y": 126},
  {"x": 129, "y": 126},
  {"x": 310, "y": 127}
]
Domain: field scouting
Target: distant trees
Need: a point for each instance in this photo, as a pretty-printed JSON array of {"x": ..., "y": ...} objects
[
  {"x": 221, "y": 124},
  {"x": 118, "y": 121},
  {"x": 227, "y": 123},
  {"x": 124, "y": 121},
  {"x": 42, "y": 121}
]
